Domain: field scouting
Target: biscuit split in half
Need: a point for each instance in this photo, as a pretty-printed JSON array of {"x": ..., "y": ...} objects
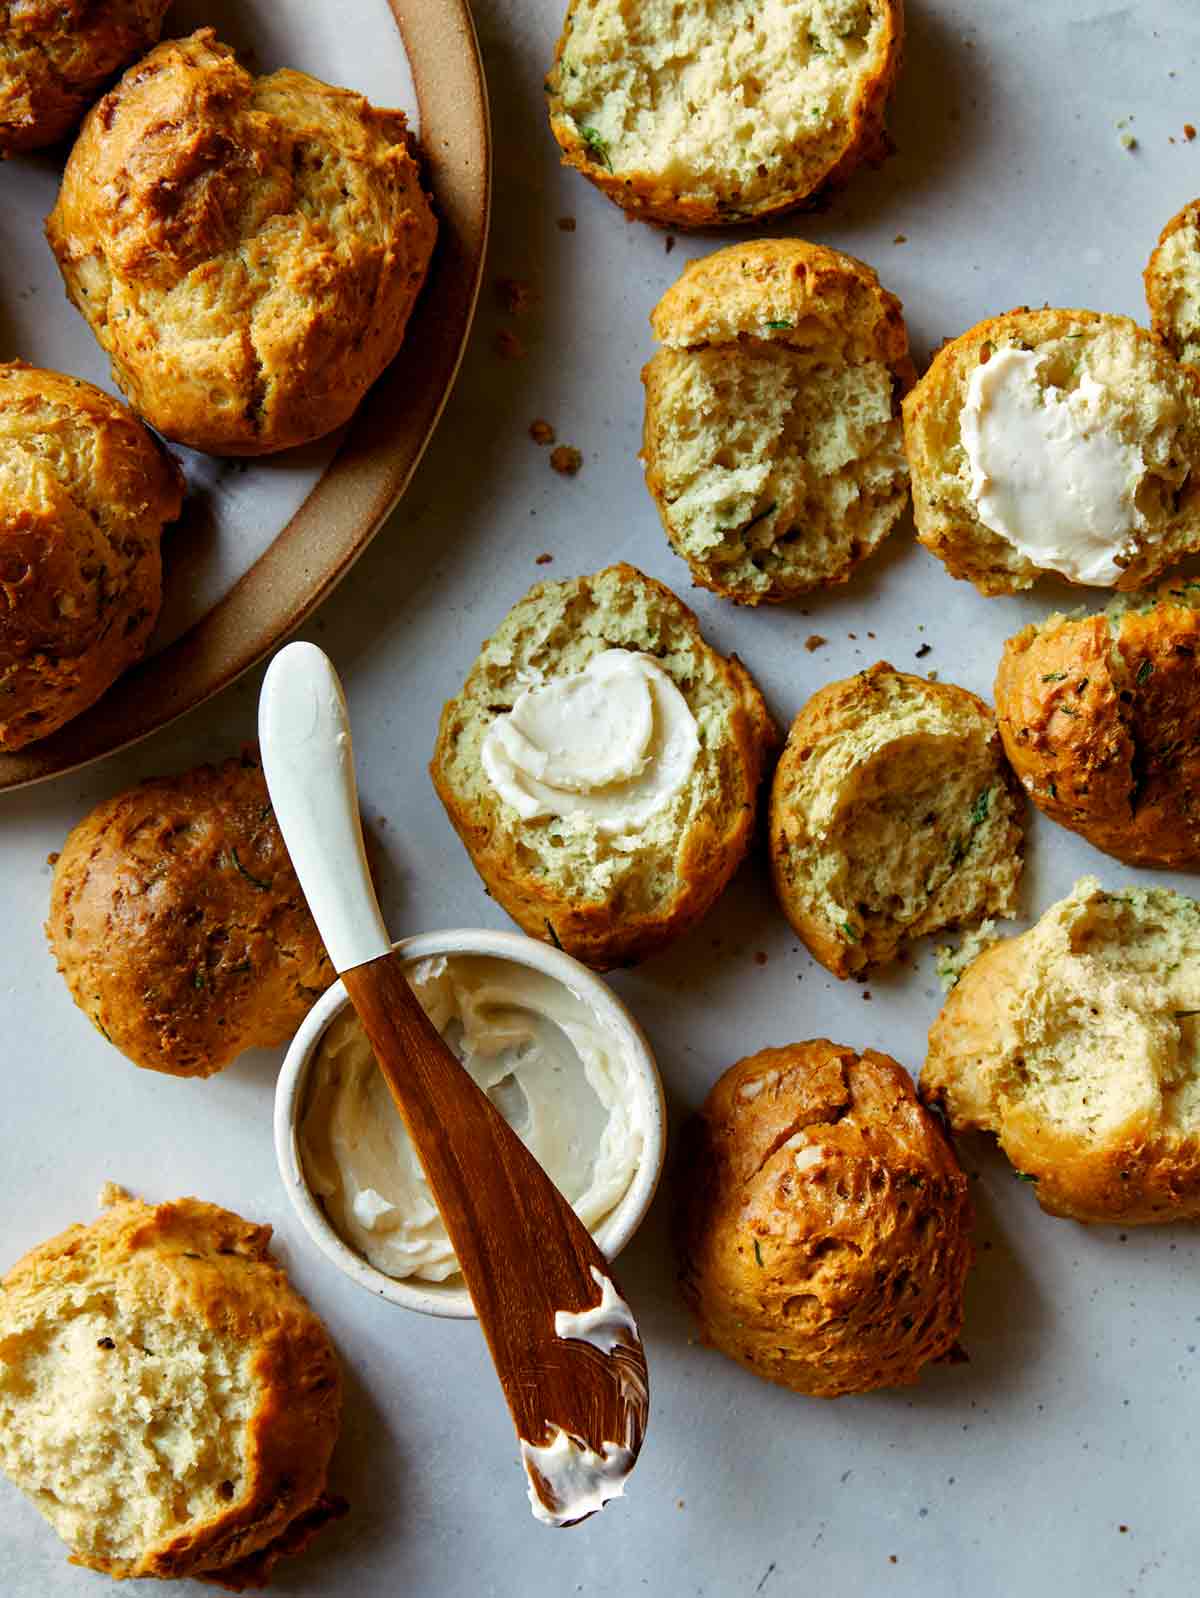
[
  {"x": 1100, "y": 718},
  {"x": 1056, "y": 419},
  {"x": 697, "y": 112},
  {"x": 823, "y": 1221},
  {"x": 681, "y": 757},
  {"x": 247, "y": 250},
  {"x": 772, "y": 437},
  {"x": 1078, "y": 1044},
  {"x": 167, "y": 1399},
  {"x": 893, "y": 813}
]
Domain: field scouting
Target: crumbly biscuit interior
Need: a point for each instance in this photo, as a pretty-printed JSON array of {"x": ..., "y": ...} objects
[
  {"x": 553, "y": 633},
  {"x": 124, "y": 1424},
  {"x": 781, "y": 467},
  {"x": 720, "y": 97},
  {"x": 1176, "y": 271},
  {"x": 902, "y": 825},
  {"x": 1105, "y": 1026}
]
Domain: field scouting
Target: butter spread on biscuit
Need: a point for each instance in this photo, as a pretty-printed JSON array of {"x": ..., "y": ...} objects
[
  {"x": 548, "y": 1062},
  {"x": 1049, "y": 471},
  {"x": 613, "y": 744}
]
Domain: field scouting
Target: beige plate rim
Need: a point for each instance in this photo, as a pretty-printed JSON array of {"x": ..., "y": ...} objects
[{"x": 375, "y": 459}]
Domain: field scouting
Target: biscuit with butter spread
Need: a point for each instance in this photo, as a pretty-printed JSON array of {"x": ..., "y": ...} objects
[
  {"x": 1056, "y": 442},
  {"x": 601, "y": 764}
]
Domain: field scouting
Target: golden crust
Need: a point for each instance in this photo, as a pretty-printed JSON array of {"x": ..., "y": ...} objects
[
  {"x": 602, "y": 933},
  {"x": 1142, "y": 1175},
  {"x": 945, "y": 524},
  {"x": 798, "y": 295},
  {"x": 823, "y": 1221},
  {"x": 829, "y": 299},
  {"x": 204, "y": 1267},
  {"x": 1159, "y": 294},
  {"x": 84, "y": 494},
  {"x": 649, "y": 197},
  {"x": 1102, "y": 726},
  {"x": 56, "y": 56},
  {"x": 179, "y": 925},
  {"x": 247, "y": 250},
  {"x": 834, "y": 713}
]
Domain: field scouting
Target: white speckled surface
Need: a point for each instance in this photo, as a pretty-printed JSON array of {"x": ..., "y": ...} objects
[{"x": 1077, "y": 1415}]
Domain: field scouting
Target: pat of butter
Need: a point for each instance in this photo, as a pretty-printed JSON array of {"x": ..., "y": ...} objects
[
  {"x": 613, "y": 744},
  {"x": 1049, "y": 471}
]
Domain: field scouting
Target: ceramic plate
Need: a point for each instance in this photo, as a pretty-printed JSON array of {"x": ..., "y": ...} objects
[{"x": 260, "y": 543}]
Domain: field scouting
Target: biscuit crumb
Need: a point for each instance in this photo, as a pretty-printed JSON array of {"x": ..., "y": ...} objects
[
  {"x": 566, "y": 224},
  {"x": 925, "y": 649},
  {"x": 761, "y": 957},
  {"x": 543, "y": 560},
  {"x": 514, "y": 295},
  {"x": 891, "y": 1559},
  {"x": 52, "y": 858},
  {"x": 1189, "y": 132},
  {"x": 814, "y": 641},
  {"x": 566, "y": 460},
  {"x": 540, "y": 431},
  {"x": 1128, "y": 142},
  {"x": 669, "y": 243},
  {"x": 1122, "y": 1528},
  {"x": 509, "y": 346},
  {"x": 111, "y": 1193},
  {"x": 866, "y": 994},
  {"x": 901, "y": 238}
]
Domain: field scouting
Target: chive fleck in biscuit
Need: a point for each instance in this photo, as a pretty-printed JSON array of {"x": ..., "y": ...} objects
[
  {"x": 167, "y": 1399},
  {"x": 713, "y": 111},
  {"x": 772, "y": 437},
  {"x": 608, "y": 898},
  {"x": 1077, "y": 1043},
  {"x": 893, "y": 813},
  {"x": 823, "y": 1221}
]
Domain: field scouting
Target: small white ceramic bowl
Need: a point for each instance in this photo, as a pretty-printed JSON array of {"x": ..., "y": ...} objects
[{"x": 451, "y": 1298}]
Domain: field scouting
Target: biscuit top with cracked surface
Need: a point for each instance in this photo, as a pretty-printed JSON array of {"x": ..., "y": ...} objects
[{"x": 246, "y": 249}]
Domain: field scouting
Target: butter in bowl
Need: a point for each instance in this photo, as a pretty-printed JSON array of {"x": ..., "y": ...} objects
[{"x": 559, "y": 1055}]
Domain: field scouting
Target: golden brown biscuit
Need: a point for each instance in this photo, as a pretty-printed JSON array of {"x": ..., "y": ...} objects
[
  {"x": 84, "y": 494},
  {"x": 56, "y": 56},
  {"x": 607, "y": 901},
  {"x": 1144, "y": 397},
  {"x": 247, "y": 250},
  {"x": 1172, "y": 279},
  {"x": 687, "y": 114},
  {"x": 772, "y": 436},
  {"x": 893, "y": 814},
  {"x": 179, "y": 925},
  {"x": 1077, "y": 1044},
  {"x": 823, "y": 1221},
  {"x": 1100, "y": 717},
  {"x": 167, "y": 1399}
]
